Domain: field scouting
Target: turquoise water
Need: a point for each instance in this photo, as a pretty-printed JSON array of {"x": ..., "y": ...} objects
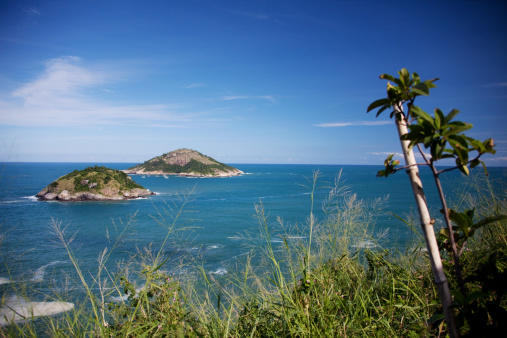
[{"x": 219, "y": 210}]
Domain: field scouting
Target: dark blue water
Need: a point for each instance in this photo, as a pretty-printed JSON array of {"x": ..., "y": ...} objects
[{"x": 218, "y": 210}]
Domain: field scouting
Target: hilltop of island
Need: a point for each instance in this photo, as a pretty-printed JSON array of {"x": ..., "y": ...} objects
[
  {"x": 93, "y": 184},
  {"x": 184, "y": 162}
]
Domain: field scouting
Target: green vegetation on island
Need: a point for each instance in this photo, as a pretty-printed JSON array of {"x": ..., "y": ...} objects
[
  {"x": 185, "y": 162},
  {"x": 93, "y": 183}
]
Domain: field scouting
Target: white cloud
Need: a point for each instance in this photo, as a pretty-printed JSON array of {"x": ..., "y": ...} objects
[
  {"x": 62, "y": 78},
  {"x": 193, "y": 85},
  {"x": 386, "y": 153},
  {"x": 259, "y": 16},
  {"x": 359, "y": 123},
  {"x": 495, "y": 159},
  {"x": 498, "y": 84},
  {"x": 31, "y": 11},
  {"x": 243, "y": 97},
  {"x": 58, "y": 97}
]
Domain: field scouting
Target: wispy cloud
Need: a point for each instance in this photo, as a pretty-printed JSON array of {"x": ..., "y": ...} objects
[
  {"x": 398, "y": 155},
  {"x": 496, "y": 159},
  {"x": 386, "y": 153},
  {"x": 243, "y": 97},
  {"x": 497, "y": 84},
  {"x": 357, "y": 123},
  {"x": 259, "y": 16},
  {"x": 59, "y": 97},
  {"x": 193, "y": 85},
  {"x": 31, "y": 11}
]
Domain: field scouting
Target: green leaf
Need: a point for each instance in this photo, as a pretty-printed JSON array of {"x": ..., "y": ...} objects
[
  {"x": 475, "y": 295},
  {"x": 444, "y": 232},
  {"x": 421, "y": 89},
  {"x": 446, "y": 155},
  {"x": 377, "y": 103},
  {"x": 160, "y": 265},
  {"x": 488, "y": 220},
  {"x": 437, "y": 149},
  {"x": 450, "y": 116},
  {"x": 381, "y": 110},
  {"x": 387, "y": 77},
  {"x": 430, "y": 83},
  {"x": 428, "y": 140},
  {"x": 475, "y": 163},
  {"x": 418, "y": 112},
  {"x": 460, "y": 219},
  {"x": 488, "y": 144},
  {"x": 476, "y": 144},
  {"x": 460, "y": 141},
  {"x": 439, "y": 118},
  {"x": 404, "y": 76},
  {"x": 458, "y": 296},
  {"x": 464, "y": 169},
  {"x": 485, "y": 170}
]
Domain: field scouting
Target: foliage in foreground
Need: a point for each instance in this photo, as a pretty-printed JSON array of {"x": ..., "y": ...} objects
[{"x": 337, "y": 281}]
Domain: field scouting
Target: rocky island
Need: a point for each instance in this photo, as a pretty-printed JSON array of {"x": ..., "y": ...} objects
[
  {"x": 184, "y": 162},
  {"x": 93, "y": 184}
]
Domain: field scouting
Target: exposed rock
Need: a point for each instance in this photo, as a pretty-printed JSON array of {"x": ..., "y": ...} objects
[
  {"x": 184, "y": 162},
  {"x": 108, "y": 185},
  {"x": 50, "y": 196},
  {"x": 64, "y": 195},
  {"x": 16, "y": 310}
]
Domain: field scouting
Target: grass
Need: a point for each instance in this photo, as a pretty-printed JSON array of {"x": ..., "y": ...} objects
[{"x": 330, "y": 277}]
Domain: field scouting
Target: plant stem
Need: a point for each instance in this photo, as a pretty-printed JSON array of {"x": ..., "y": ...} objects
[
  {"x": 445, "y": 210},
  {"x": 426, "y": 222}
]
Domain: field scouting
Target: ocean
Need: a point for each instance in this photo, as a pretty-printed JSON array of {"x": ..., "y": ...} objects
[{"x": 217, "y": 215}]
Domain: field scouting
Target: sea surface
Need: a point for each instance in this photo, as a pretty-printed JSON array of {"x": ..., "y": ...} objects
[{"x": 217, "y": 214}]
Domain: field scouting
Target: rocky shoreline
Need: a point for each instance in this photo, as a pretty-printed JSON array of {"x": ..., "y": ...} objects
[
  {"x": 218, "y": 173},
  {"x": 46, "y": 195}
]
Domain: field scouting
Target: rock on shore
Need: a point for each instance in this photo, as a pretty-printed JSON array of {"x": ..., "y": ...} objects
[{"x": 93, "y": 184}]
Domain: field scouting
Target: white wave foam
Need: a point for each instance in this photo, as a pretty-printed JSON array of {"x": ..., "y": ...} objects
[
  {"x": 22, "y": 200},
  {"x": 38, "y": 275},
  {"x": 31, "y": 198},
  {"x": 220, "y": 271},
  {"x": 18, "y": 309},
  {"x": 4, "y": 280},
  {"x": 365, "y": 245},
  {"x": 126, "y": 296},
  {"x": 9, "y": 202},
  {"x": 215, "y": 246}
]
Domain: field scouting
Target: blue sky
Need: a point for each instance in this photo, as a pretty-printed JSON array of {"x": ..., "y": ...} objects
[{"x": 241, "y": 81}]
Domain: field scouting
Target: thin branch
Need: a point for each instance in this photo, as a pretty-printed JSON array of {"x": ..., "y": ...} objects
[
  {"x": 408, "y": 166},
  {"x": 423, "y": 155},
  {"x": 457, "y": 265},
  {"x": 456, "y": 167}
]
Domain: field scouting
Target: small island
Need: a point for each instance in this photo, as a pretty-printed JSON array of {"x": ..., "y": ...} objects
[
  {"x": 93, "y": 184},
  {"x": 184, "y": 162}
]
